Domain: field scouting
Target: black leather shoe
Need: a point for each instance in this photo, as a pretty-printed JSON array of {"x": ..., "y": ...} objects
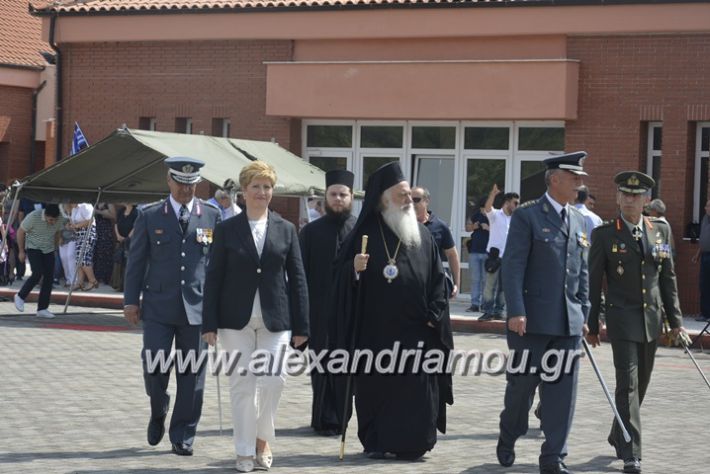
[
  {"x": 558, "y": 468},
  {"x": 156, "y": 430},
  {"x": 472, "y": 309},
  {"x": 487, "y": 317},
  {"x": 632, "y": 465},
  {"x": 505, "y": 454},
  {"x": 182, "y": 449},
  {"x": 538, "y": 411}
]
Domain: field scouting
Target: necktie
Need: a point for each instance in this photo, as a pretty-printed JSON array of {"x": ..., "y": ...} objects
[
  {"x": 184, "y": 218},
  {"x": 563, "y": 216},
  {"x": 637, "y": 233}
]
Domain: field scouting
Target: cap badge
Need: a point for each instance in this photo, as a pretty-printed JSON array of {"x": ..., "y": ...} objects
[
  {"x": 633, "y": 180},
  {"x": 188, "y": 169}
]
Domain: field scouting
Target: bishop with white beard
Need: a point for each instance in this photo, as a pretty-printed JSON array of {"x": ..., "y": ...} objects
[{"x": 400, "y": 287}]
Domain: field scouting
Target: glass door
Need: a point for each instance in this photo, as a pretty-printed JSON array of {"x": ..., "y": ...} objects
[{"x": 436, "y": 173}]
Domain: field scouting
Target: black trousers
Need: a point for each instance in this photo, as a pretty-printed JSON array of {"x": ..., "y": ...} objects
[{"x": 42, "y": 267}]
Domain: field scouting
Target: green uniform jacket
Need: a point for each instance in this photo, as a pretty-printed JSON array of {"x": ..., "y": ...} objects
[{"x": 638, "y": 286}]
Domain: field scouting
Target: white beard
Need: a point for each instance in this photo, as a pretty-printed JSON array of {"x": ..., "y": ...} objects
[{"x": 403, "y": 222}]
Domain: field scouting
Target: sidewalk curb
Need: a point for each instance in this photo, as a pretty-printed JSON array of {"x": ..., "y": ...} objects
[{"x": 467, "y": 324}]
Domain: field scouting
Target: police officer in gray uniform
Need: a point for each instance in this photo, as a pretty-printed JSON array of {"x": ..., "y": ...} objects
[
  {"x": 169, "y": 253},
  {"x": 545, "y": 281}
]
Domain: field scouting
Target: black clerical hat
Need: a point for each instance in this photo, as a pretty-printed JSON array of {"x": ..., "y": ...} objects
[
  {"x": 344, "y": 177},
  {"x": 571, "y": 162},
  {"x": 382, "y": 179},
  {"x": 633, "y": 182},
  {"x": 184, "y": 170}
]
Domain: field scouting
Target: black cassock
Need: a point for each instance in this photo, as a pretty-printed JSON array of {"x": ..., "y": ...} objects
[
  {"x": 320, "y": 241},
  {"x": 397, "y": 413}
]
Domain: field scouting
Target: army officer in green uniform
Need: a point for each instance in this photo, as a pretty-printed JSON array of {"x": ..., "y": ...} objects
[{"x": 634, "y": 253}]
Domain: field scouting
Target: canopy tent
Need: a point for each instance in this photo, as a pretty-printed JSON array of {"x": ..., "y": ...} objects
[{"x": 127, "y": 166}]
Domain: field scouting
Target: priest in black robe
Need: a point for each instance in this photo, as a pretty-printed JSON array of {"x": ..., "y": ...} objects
[
  {"x": 394, "y": 295},
  {"x": 320, "y": 242}
]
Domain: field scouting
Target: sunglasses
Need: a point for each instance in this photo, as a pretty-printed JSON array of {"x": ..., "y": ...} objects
[{"x": 417, "y": 200}]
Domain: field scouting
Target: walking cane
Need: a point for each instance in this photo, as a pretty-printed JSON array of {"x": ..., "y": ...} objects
[
  {"x": 685, "y": 341},
  {"x": 627, "y": 437},
  {"x": 349, "y": 380},
  {"x": 219, "y": 391}
]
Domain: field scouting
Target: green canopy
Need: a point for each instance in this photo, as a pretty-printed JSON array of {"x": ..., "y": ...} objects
[{"x": 127, "y": 166}]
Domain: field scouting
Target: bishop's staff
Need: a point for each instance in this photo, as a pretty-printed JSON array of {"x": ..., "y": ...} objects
[
  {"x": 627, "y": 436},
  {"x": 353, "y": 339}
]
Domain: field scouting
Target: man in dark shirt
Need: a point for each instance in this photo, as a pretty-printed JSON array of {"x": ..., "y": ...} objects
[
  {"x": 442, "y": 236},
  {"x": 703, "y": 255},
  {"x": 477, "y": 244}
]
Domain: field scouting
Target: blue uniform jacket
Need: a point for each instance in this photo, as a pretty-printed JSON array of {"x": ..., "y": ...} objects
[
  {"x": 167, "y": 267},
  {"x": 545, "y": 274}
]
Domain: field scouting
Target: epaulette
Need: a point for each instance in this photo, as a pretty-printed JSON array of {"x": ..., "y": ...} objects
[
  {"x": 607, "y": 223},
  {"x": 145, "y": 207},
  {"x": 209, "y": 204},
  {"x": 529, "y": 203},
  {"x": 574, "y": 209}
]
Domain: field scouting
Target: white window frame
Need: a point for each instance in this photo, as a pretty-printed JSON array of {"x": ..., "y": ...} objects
[
  {"x": 651, "y": 153},
  {"x": 699, "y": 155}
]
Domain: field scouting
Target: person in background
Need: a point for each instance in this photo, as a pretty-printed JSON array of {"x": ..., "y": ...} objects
[
  {"x": 67, "y": 247},
  {"x": 123, "y": 231},
  {"x": 479, "y": 228},
  {"x": 493, "y": 303},
  {"x": 105, "y": 242},
  {"x": 320, "y": 242},
  {"x": 37, "y": 239},
  {"x": 84, "y": 224},
  {"x": 590, "y": 217},
  {"x": 421, "y": 197}
]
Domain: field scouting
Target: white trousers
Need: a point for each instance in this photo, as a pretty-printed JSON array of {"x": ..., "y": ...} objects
[
  {"x": 254, "y": 397},
  {"x": 67, "y": 254}
]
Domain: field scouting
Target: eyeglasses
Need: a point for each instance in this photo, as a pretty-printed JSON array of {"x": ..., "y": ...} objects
[{"x": 417, "y": 200}]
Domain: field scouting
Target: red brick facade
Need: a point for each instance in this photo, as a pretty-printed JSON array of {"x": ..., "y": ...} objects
[
  {"x": 109, "y": 84},
  {"x": 16, "y": 103},
  {"x": 626, "y": 81}
]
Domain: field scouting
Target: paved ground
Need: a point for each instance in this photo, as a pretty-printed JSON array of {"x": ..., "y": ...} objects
[{"x": 72, "y": 400}]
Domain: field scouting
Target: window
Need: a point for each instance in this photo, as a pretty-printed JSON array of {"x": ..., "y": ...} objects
[
  {"x": 147, "y": 123},
  {"x": 541, "y": 138},
  {"x": 329, "y": 136},
  {"x": 381, "y": 136},
  {"x": 702, "y": 157},
  {"x": 654, "y": 138},
  {"x": 486, "y": 138},
  {"x": 436, "y": 138},
  {"x": 183, "y": 125},
  {"x": 221, "y": 127}
]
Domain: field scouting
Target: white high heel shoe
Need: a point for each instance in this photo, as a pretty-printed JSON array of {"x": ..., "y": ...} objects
[{"x": 264, "y": 460}]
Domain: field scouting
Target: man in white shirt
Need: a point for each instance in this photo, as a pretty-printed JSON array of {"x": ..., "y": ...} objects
[
  {"x": 591, "y": 219},
  {"x": 493, "y": 302}
]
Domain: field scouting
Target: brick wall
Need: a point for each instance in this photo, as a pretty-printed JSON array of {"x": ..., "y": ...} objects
[
  {"x": 108, "y": 84},
  {"x": 16, "y": 102},
  {"x": 624, "y": 82}
]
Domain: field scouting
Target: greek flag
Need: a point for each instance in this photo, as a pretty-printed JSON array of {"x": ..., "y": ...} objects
[{"x": 78, "y": 140}]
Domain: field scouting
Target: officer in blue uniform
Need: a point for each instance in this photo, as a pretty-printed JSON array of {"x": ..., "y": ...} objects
[
  {"x": 169, "y": 253},
  {"x": 545, "y": 281}
]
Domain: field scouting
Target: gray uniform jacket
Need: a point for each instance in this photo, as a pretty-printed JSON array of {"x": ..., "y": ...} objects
[
  {"x": 167, "y": 267},
  {"x": 544, "y": 271}
]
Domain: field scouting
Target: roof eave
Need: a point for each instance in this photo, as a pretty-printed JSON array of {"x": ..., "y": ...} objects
[{"x": 51, "y": 11}]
